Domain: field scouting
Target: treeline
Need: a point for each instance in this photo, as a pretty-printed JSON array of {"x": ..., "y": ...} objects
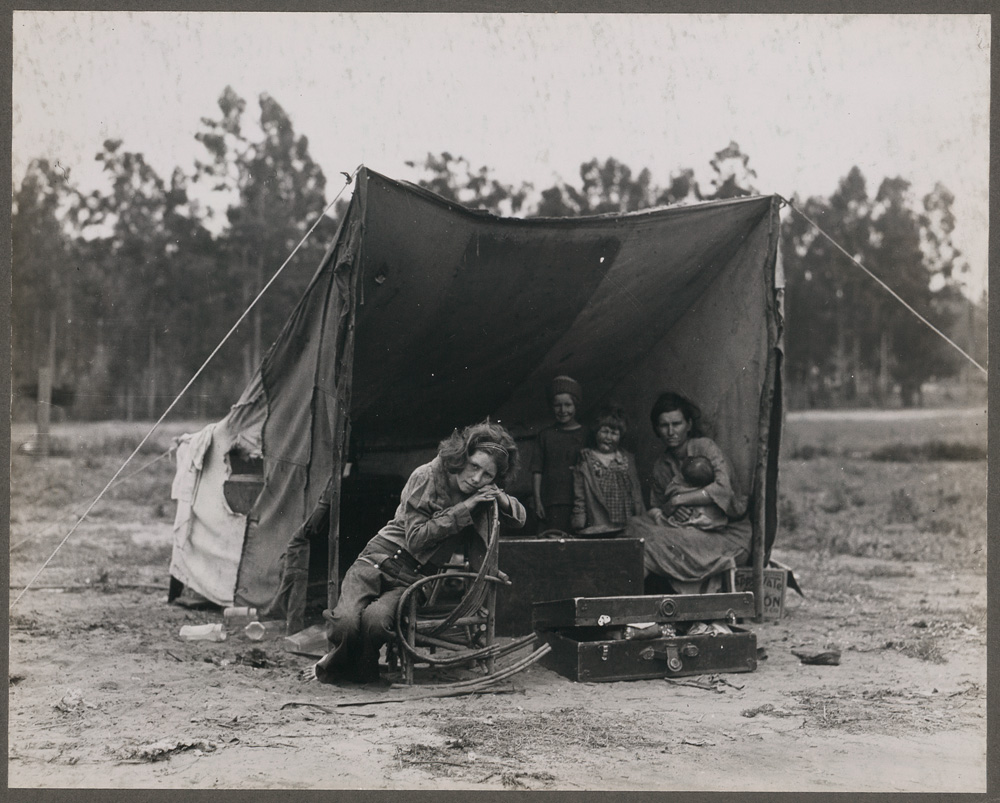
[
  {"x": 130, "y": 288},
  {"x": 137, "y": 284}
]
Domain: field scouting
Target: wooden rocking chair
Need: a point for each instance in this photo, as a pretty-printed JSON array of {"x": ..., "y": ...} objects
[{"x": 448, "y": 619}]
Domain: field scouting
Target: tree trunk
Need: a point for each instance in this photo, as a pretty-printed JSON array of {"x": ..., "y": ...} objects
[
  {"x": 247, "y": 351},
  {"x": 43, "y": 408},
  {"x": 37, "y": 360},
  {"x": 883, "y": 369},
  {"x": 151, "y": 403},
  {"x": 970, "y": 347},
  {"x": 840, "y": 357},
  {"x": 854, "y": 370},
  {"x": 247, "y": 363},
  {"x": 99, "y": 374},
  {"x": 46, "y": 374},
  {"x": 257, "y": 314},
  {"x": 910, "y": 393}
]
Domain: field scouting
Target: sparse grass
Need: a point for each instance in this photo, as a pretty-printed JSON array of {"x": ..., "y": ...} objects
[
  {"x": 929, "y": 451},
  {"x": 788, "y": 513},
  {"x": 894, "y": 511},
  {"x": 809, "y": 452},
  {"x": 848, "y": 709},
  {"x": 504, "y": 744},
  {"x": 902, "y": 508},
  {"x": 116, "y": 438},
  {"x": 923, "y": 649},
  {"x": 127, "y": 528},
  {"x": 863, "y": 432},
  {"x": 885, "y": 570},
  {"x": 510, "y": 736},
  {"x": 833, "y": 500},
  {"x": 954, "y": 547}
]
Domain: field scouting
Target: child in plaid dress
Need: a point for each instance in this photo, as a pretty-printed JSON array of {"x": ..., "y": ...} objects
[{"x": 606, "y": 490}]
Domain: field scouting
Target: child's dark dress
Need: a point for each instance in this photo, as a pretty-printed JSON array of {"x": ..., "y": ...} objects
[{"x": 556, "y": 452}]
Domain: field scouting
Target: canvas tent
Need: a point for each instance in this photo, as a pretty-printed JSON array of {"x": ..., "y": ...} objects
[{"x": 424, "y": 316}]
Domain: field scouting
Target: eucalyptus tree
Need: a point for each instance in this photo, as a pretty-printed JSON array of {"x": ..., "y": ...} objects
[
  {"x": 42, "y": 274},
  {"x": 273, "y": 192},
  {"x": 127, "y": 249},
  {"x": 845, "y": 335},
  {"x": 454, "y": 178},
  {"x": 916, "y": 258}
]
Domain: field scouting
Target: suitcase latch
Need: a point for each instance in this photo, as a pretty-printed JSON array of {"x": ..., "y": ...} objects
[
  {"x": 604, "y": 652},
  {"x": 672, "y": 654},
  {"x": 674, "y": 663}
]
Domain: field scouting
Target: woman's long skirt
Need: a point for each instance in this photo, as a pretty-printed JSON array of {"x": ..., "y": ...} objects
[{"x": 687, "y": 553}]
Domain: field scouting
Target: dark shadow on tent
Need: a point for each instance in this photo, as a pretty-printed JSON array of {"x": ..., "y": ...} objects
[{"x": 425, "y": 316}]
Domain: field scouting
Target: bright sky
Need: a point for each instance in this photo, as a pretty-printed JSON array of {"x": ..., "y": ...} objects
[{"x": 531, "y": 96}]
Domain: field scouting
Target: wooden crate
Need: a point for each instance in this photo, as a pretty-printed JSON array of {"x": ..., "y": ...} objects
[
  {"x": 543, "y": 569},
  {"x": 587, "y": 643},
  {"x": 775, "y": 584}
]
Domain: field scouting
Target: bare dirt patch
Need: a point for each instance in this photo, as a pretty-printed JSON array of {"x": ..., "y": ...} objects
[{"x": 103, "y": 693}]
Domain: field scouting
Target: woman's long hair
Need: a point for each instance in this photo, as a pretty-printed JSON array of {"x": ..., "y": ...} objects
[
  {"x": 487, "y": 437},
  {"x": 669, "y": 402}
]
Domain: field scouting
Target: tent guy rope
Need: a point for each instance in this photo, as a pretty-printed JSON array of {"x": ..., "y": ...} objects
[
  {"x": 886, "y": 287},
  {"x": 191, "y": 381}
]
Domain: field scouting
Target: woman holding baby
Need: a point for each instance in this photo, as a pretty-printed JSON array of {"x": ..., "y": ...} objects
[{"x": 696, "y": 526}]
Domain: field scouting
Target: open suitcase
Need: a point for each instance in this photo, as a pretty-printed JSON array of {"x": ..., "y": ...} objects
[{"x": 589, "y": 636}]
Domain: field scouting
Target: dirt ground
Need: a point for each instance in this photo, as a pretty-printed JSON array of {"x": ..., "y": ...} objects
[{"x": 891, "y": 556}]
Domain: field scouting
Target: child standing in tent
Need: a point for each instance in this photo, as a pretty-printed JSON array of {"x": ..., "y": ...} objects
[
  {"x": 557, "y": 448},
  {"x": 606, "y": 489}
]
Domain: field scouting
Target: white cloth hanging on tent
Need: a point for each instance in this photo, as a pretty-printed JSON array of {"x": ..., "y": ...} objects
[{"x": 208, "y": 535}]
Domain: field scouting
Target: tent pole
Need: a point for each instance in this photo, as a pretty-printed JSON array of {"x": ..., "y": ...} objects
[
  {"x": 333, "y": 534},
  {"x": 760, "y": 497},
  {"x": 346, "y": 281},
  {"x": 758, "y": 543},
  {"x": 333, "y": 551}
]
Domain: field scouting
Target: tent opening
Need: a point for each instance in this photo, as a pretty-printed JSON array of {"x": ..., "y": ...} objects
[{"x": 425, "y": 316}]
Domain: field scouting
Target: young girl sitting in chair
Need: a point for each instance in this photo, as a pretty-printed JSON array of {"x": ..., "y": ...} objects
[{"x": 442, "y": 507}]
